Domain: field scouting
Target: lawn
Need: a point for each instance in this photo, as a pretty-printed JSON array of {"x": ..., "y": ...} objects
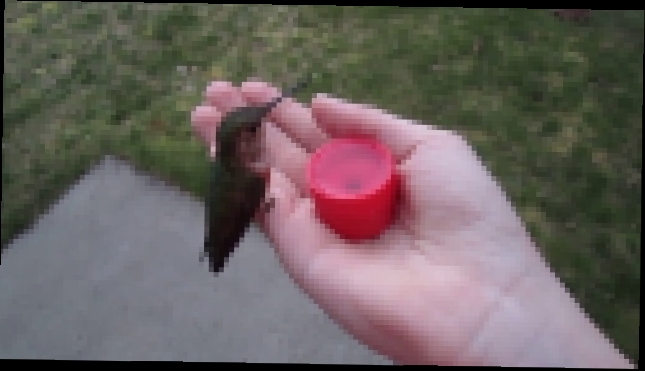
[{"x": 554, "y": 108}]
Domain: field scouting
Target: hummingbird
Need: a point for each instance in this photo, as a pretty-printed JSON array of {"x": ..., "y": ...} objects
[{"x": 238, "y": 180}]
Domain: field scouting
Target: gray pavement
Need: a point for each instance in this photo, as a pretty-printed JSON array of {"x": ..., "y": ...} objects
[{"x": 112, "y": 272}]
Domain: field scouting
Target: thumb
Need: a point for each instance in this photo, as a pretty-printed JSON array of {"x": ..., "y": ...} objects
[
  {"x": 283, "y": 195},
  {"x": 291, "y": 226}
]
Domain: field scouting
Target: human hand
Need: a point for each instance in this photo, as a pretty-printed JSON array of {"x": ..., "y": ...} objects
[{"x": 454, "y": 280}]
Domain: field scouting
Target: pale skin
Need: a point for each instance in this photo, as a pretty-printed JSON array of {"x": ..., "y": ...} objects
[{"x": 455, "y": 280}]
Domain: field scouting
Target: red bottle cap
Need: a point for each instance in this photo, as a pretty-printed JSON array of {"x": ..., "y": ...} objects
[{"x": 353, "y": 184}]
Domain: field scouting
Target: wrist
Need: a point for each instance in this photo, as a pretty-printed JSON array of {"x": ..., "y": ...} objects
[
  {"x": 566, "y": 336},
  {"x": 538, "y": 324}
]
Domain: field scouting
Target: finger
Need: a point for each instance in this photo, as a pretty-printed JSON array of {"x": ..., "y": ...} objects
[
  {"x": 284, "y": 195},
  {"x": 204, "y": 122},
  {"x": 292, "y": 227},
  {"x": 293, "y": 117},
  {"x": 224, "y": 96},
  {"x": 340, "y": 118},
  {"x": 285, "y": 155}
]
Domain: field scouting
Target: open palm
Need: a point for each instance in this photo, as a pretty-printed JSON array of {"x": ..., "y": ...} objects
[{"x": 455, "y": 252}]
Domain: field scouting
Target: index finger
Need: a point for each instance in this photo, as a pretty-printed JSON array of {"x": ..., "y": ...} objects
[{"x": 292, "y": 116}]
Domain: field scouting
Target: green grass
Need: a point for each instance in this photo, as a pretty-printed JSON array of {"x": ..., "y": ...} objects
[{"x": 554, "y": 108}]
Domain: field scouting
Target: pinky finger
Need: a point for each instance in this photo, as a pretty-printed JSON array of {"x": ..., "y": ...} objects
[{"x": 204, "y": 122}]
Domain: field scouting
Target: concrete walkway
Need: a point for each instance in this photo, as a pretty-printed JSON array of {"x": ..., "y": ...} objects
[{"x": 112, "y": 272}]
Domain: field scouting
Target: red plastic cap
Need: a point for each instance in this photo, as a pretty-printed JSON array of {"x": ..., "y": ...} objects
[{"x": 353, "y": 184}]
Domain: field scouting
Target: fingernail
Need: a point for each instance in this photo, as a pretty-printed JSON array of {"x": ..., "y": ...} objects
[
  {"x": 222, "y": 94},
  {"x": 258, "y": 90},
  {"x": 217, "y": 87},
  {"x": 204, "y": 115},
  {"x": 329, "y": 99}
]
